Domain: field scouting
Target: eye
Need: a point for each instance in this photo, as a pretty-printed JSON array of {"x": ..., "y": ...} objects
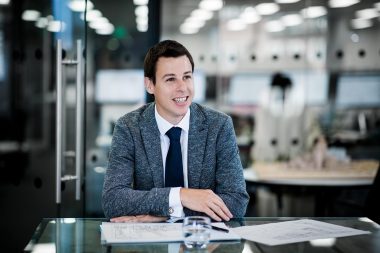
[
  {"x": 171, "y": 79},
  {"x": 187, "y": 77}
]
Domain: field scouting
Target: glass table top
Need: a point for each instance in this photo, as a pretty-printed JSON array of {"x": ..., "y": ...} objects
[{"x": 63, "y": 235}]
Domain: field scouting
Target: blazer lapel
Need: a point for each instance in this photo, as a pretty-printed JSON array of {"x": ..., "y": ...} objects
[
  {"x": 196, "y": 145},
  {"x": 151, "y": 139}
]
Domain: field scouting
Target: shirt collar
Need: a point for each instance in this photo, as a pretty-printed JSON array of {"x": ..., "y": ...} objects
[{"x": 164, "y": 125}]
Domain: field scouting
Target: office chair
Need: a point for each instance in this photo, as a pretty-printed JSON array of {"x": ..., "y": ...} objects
[{"x": 372, "y": 209}]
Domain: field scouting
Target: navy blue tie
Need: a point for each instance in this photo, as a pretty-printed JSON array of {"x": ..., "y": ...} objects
[{"x": 173, "y": 166}]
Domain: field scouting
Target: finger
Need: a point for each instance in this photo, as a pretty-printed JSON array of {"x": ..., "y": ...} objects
[
  {"x": 211, "y": 214},
  {"x": 225, "y": 210},
  {"x": 218, "y": 211},
  {"x": 223, "y": 206}
]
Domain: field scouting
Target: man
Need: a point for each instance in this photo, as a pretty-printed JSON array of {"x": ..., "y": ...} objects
[{"x": 143, "y": 182}]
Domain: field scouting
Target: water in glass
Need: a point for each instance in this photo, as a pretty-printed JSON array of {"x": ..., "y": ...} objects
[{"x": 196, "y": 231}]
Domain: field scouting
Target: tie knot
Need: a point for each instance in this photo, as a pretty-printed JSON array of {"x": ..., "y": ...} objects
[{"x": 174, "y": 133}]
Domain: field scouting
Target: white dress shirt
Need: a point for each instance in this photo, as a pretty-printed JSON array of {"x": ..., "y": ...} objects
[{"x": 164, "y": 126}]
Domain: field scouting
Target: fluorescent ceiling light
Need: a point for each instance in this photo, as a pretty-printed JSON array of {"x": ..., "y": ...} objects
[
  {"x": 286, "y": 1},
  {"x": 342, "y": 3},
  {"x": 361, "y": 23},
  {"x": 367, "y": 13},
  {"x": 188, "y": 30},
  {"x": 141, "y": 10},
  {"x": 106, "y": 30},
  {"x": 202, "y": 14},
  {"x": 314, "y": 11},
  {"x": 41, "y": 22},
  {"x": 211, "y": 5},
  {"x": 236, "y": 25},
  {"x": 104, "y": 26},
  {"x": 142, "y": 20},
  {"x": 142, "y": 28},
  {"x": 91, "y": 15},
  {"x": 194, "y": 23},
  {"x": 267, "y": 8},
  {"x": 30, "y": 15},
  {"x": 141, "y": 2},
  {"x": 99, "y": 23},
  {"x": 250, "y": 15},
  {"x": 55, "y": 26},
  {"x": 80, "y": 5},
  {"x": 292, "y": 20},
  {"x": 4, "y": 2},
  {"x": 274, "y": 26}
]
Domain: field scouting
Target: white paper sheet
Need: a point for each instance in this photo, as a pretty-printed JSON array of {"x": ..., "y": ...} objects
[
  {"x": 154, "y": 232},
  {"x": 294, "y": 231}
]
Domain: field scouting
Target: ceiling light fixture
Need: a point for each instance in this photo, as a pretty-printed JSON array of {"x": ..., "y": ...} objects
[
  {"x": 314, "y": 12},
  {"x": 250, "y": 16},
  {"x": 292, "y": 19},
  {"x": 211, "y": 5},
  {"x": 106, "y": 30},
  {"x": 367, "y": 13},
  {"x": 194, "y": 23},
  {"x": 342, "y": 3},
  {"x": 56, "y": 26},
  {"x": 42, "y": 22},
  {"x": 142, "y": 28},
  {"x": 99, "y": 23},
  {"x": 187, "y": 30},
  {"x": 141, "y": 10},
  {"x": 286, "y": 1},
  {"x": 91, "y": 15},
  {"x": 202, "y": 14},
  {"x": 274, "y": 26},
  {"x": 236, "y": 25},
  {"x": 361, "y": 23},
  {"x": 141, "y": 2},
  {"x": 80, "y": 5},
  {"x": 267, "y": 8},
  {"x": 30, "y": 15},
  {"x": 142, "y": 20}
]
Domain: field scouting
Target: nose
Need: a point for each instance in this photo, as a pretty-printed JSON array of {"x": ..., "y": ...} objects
[{"x": 181, "y": 85}]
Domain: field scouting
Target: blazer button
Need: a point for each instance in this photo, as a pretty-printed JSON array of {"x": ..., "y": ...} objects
[{"x": 171, "y": 210}]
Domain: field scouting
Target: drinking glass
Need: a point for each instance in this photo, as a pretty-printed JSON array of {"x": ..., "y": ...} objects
[{"x": 196, "y": 231}]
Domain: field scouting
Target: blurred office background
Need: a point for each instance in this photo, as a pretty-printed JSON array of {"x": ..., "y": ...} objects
[{"x": 287, "y": 71}]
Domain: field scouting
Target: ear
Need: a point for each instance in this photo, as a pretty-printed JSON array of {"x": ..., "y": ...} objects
[{"x": 149, "y": 85}]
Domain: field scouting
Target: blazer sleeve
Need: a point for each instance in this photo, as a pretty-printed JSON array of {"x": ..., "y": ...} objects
[
  {"x": 119, "y": 198},
  {"x": 230, "y": 183}
]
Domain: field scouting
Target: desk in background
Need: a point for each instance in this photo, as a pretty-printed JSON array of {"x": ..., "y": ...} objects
[
  {"x": 83, "y": 235},
  {"x": 324, "y": 184}
]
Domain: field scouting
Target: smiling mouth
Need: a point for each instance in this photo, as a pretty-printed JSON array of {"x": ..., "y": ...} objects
[{"x": 180, "y": 99}]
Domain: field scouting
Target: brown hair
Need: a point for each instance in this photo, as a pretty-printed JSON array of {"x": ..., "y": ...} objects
[{"x": 166, "y": 48}]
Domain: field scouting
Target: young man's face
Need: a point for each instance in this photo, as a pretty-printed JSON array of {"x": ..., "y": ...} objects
[{"x": 174, "y": 88}]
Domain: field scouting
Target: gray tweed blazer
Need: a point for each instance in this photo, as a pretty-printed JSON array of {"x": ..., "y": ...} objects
[{"x": 134, "y": 181}]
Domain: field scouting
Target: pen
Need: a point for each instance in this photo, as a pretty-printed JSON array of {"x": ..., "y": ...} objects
[{"x": 220, "y": 229}]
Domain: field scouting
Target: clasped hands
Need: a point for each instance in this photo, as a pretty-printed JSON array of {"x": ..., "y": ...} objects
[{"x": 200, "y": 200}]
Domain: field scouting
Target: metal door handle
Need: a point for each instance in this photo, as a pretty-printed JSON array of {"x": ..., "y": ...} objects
[
  {"x": 79, "y": 121},
  {"x": 60, "y": 121}
]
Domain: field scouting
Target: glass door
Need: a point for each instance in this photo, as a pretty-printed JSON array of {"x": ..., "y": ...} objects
[{"x": 29, "y": 31}]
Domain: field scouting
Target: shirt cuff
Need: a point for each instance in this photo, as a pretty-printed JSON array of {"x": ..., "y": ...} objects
[{"x": 175, "y": 206}]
